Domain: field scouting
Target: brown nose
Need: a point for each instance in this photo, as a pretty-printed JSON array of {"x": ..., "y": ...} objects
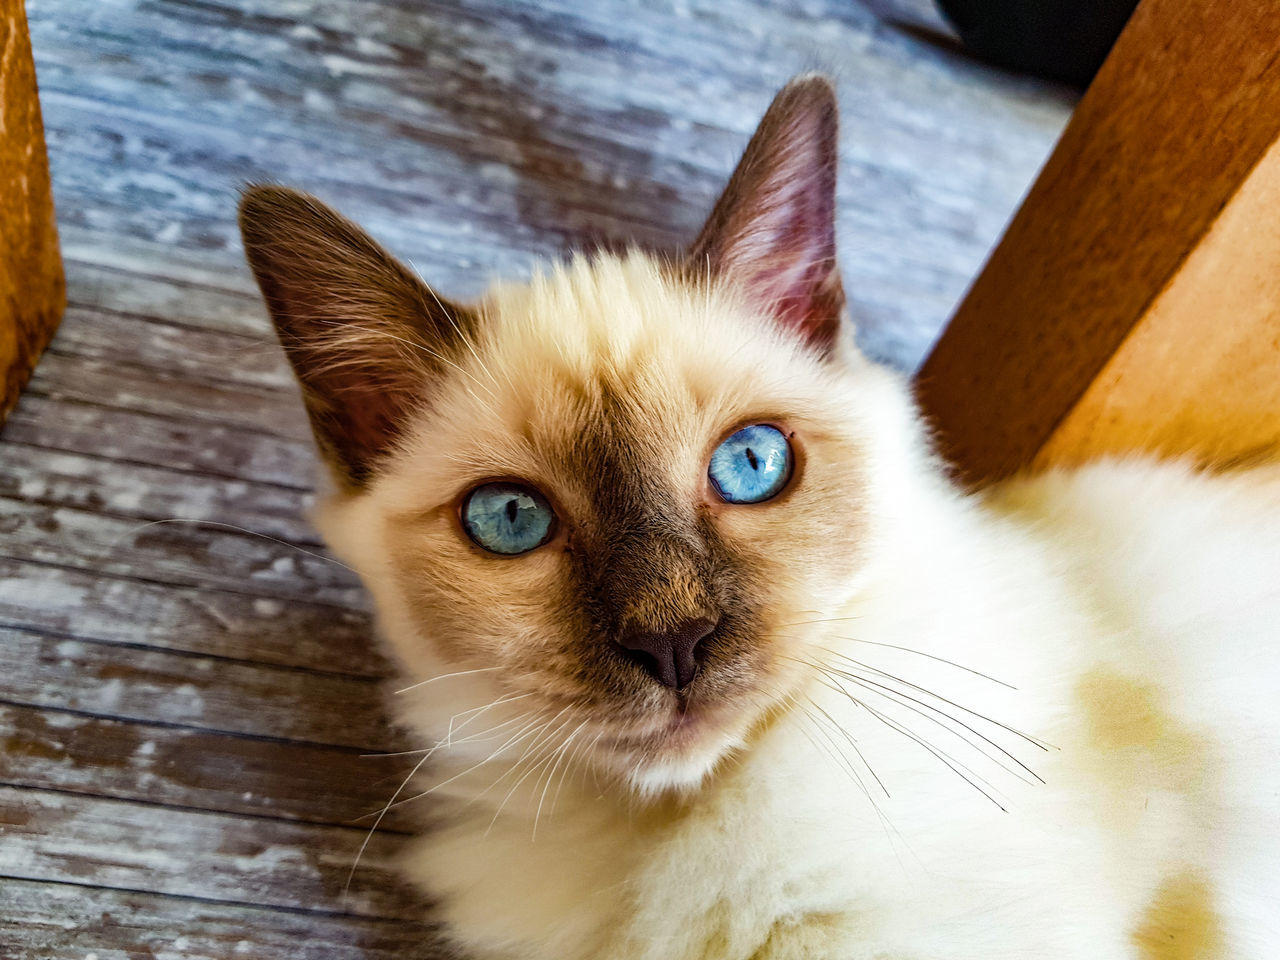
[{"x": 670, "y": 656}]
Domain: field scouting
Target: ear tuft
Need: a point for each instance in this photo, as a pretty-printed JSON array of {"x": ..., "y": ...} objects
[
  {"x": 773, "y": 229},
  {"x": 364, "y": 334}
]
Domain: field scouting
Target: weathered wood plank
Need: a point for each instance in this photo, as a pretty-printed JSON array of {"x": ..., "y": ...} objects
[
  {"x": 207, "y": 356},
  {"x": 183, "y": 554},
  {"x": 230, "y": 626},
  {"x": 466, "y": 190},
  {"x": 56, "y": 478},
  {"x": 270, "y": 414},
  {"x": 99, "y": 287},
  {"x": 202, "y": 692},
  {"x": 127, "y": 760},
  {"x": 145, "y": 438},
  {"x": 566, "y": 127},
  {"x": 66, "y": 838},
  {"x": 43, "y": 921}
]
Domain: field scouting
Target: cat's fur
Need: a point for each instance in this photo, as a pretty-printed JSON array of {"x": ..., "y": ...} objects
[{"x": 1039, "y": 723}]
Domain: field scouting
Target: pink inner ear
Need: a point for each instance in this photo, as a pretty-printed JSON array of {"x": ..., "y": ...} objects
[
  {"x": 773, "y": 230},
  {"x": 800, "y": 279}
]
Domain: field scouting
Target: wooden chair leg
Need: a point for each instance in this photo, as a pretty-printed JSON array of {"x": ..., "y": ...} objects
[
  {"x": 32, "y": 286},
  {"x": 1134, "y": 302}
]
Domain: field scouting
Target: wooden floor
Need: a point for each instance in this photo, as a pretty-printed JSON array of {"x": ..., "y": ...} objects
[{"x": 187, "y": 710}]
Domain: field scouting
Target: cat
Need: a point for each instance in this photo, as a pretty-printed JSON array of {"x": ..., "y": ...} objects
[{"x": 710, "y": 660}]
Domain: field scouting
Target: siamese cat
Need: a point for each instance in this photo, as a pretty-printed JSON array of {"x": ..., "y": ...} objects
[{"x": 710, "y": 661}]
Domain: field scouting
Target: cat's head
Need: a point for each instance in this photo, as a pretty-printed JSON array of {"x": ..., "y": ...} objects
[{"x": 621, "y": 499}]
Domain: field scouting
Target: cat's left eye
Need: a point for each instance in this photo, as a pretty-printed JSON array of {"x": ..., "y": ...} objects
[
  {"x": 752, "y": 465},
  {"x": 507, "y": 518}
]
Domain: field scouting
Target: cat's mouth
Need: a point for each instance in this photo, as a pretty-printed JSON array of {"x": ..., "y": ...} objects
[
  {"x": 673, "y": 749},
  {"x": 682, "y": 724}
]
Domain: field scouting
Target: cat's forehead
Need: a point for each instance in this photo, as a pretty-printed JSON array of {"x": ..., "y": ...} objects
[
  {"x": 630, "y": 334},
  {"x": 607, "y": 361}
]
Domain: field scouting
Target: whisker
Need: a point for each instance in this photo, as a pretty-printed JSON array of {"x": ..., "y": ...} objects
[
  {"x": 873, "y": 687},
  {"x": 583, "y": 750},
  {"x": 114, "y": 544},
  {"x": 956, "y": 766},
  {"x": 559, "y": 754},
  {"x": 834, "y": 753},
  {"x": 446, "y": 676},
  {"x": 892, "y": 696},
  {"x": 942, "y": 755},
  {"x": 381, "y": 815},
  {"x": 907, "y": 706},
  {"x": 853, "y": 743},
  {"x": 459, "y": 776},
  {"x": 539, "y": 737},
  {"x": 470, "y": 738},
  {"x": 894, "y": 646},
  {"x": 479, "y": 712},
  {"x": 1034, "y": 741},
  {"x": 537, "y": 764},
  {"x": 891, "y": 832}
]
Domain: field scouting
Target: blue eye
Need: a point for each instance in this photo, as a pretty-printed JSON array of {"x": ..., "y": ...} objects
[
  {"x": 507, "y": 518},
  {"x": 752, "y": 465}
]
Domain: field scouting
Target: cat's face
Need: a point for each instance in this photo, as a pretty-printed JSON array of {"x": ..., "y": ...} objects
[
  {"x": 605, "y": 390},
  {"x": 553, "y": 488}
]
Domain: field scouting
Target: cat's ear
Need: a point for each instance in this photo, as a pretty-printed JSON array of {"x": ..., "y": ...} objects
[
  {"x": 773, "y": 229},
  {"x": 364, "y": 334}
]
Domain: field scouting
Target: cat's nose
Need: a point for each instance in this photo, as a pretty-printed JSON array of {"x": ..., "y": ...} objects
[{"x": 670, "y": 656}]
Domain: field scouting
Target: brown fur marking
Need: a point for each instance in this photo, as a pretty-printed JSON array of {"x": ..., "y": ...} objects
[{"x": 1180, "y": 923}]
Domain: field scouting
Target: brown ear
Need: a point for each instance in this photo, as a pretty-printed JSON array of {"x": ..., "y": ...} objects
[
  {"x": 365, "y": 336},
  {"x": 773, "y": 229}
]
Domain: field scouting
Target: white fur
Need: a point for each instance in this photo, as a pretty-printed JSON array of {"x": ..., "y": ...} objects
[{"x": 761, "y": 842}]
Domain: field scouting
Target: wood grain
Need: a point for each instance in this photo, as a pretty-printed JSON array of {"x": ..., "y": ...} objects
[
  {"x": 144, "y": 492},
  {"x": 1184, "y": 108},
  {"x": 1199, "y": 375},
  {"x": 202, "y": 692},
  {"x": 32, "y": 285},
  {"x": 176, "y": 766},
  {"x": 143, "y": 437},
  {"x": 179, "y": 553},
  {"x": 91, "y": 605},
  {"x": 69, "y": 921},
  {"x": 62, "y": 837}
]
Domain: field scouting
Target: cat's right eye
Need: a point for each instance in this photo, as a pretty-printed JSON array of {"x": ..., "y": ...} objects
[{"x": 507, "y": 518}]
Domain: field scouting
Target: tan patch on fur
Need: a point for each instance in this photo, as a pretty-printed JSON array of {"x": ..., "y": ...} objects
[
  {"x": 810, "y": 935},
  {"x": 1127, "y": 722},
  {"x": 1180, "y": 923}
]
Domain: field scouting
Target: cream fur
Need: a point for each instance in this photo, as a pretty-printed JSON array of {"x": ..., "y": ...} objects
[{"x": 1134, "y": 607}]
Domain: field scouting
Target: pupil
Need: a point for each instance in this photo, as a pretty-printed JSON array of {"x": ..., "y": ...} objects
[
  {"x": 512, "y": 508},
  {"x": 751, "y": 459}
]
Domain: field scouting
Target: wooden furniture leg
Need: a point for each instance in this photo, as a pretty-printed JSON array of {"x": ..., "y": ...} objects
[
  {"x": 32, "y": 287},
  {"x": 1134, "y": 301}
]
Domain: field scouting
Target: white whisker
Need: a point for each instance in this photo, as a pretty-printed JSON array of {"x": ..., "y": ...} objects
[{"x": 446, "y": 676}]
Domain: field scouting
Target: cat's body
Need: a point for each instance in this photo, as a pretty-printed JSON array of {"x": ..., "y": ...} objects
[{"x": 923, "y": 726}]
